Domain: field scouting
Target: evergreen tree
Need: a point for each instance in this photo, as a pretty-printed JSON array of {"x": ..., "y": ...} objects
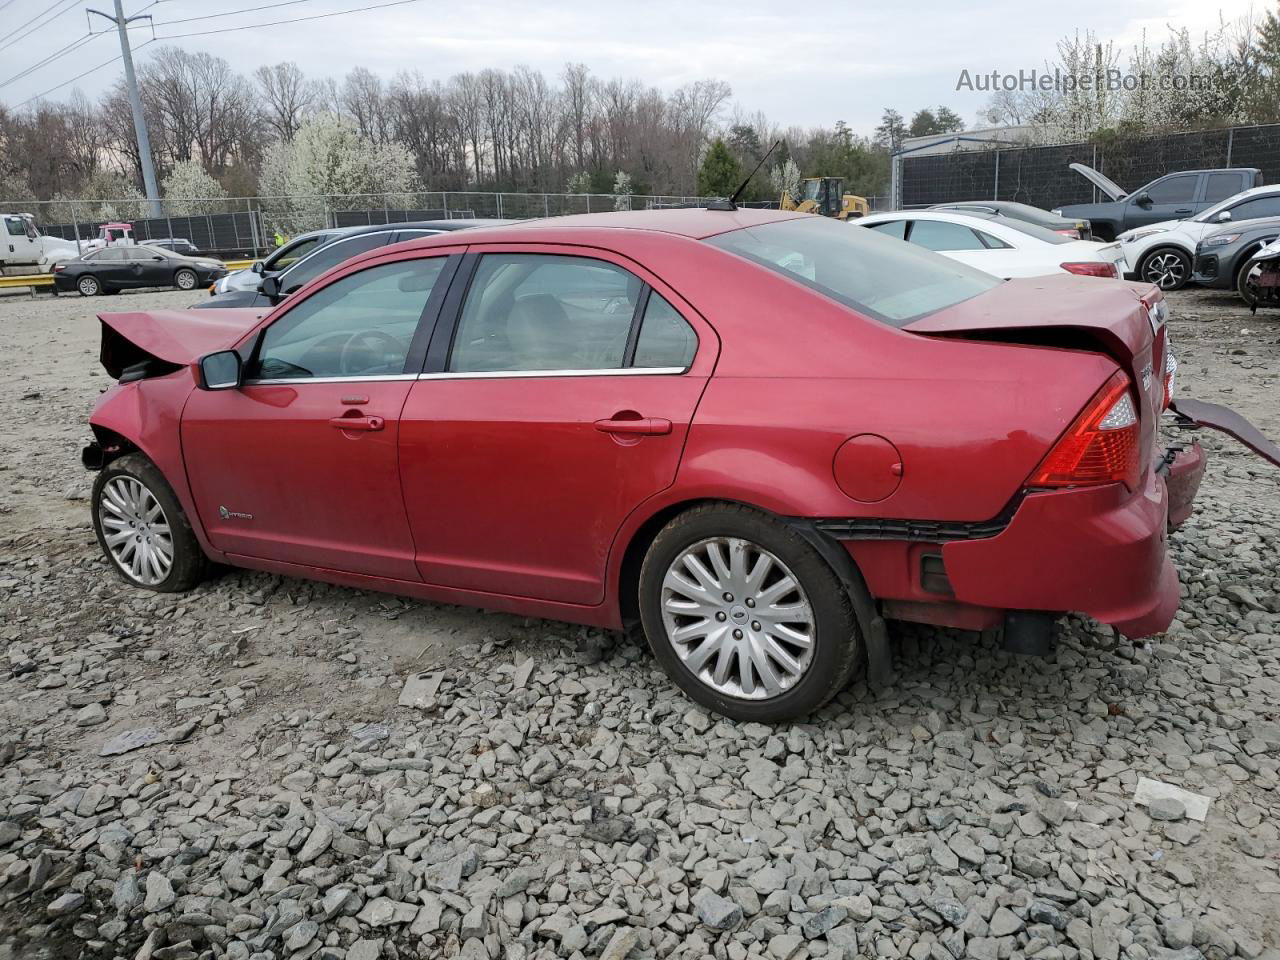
[{"x": 720, "y": 172}]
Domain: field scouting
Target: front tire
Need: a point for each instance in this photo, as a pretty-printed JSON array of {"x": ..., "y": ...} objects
[
  {"x": 1246, "y": 291},
  {"x": 89, "y": 286},
  {"x": 142, "y": 528},
  {"x": 746, "y": 616},
  {"x": 1167, "y": 267},
  {"x": 185, "y": 279}
]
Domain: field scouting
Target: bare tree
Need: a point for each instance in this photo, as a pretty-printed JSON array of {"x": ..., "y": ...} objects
[
  {"x": 365, "y": 101},
  {"x": 286, "y": 97}
]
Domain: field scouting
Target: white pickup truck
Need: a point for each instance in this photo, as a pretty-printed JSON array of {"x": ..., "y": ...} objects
[{"x": 25, "y": 250}]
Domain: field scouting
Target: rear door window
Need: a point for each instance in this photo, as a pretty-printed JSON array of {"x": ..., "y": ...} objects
[
  {"x": 666, "y": 339},
  {"x": 527, "y": 312},
  {"x": 939, "y": 235},
  {"x": 1222, "y": 185},
  {"x": 1253, "y": 209}
]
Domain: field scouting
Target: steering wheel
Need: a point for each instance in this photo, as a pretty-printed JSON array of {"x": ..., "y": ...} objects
[{"x": 355, "y": 345}]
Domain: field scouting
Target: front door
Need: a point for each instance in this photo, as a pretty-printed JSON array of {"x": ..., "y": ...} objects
[
  {"x": 300, "y": 463},
  {"x": 562, "y": 404},
  {"x": 1171, "y": 198}
]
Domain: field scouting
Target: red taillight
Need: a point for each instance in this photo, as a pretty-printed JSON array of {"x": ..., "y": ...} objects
[
  {"x": 1170, "y": 375},
  {"x": 58, "y": 268},
  {"x": 1073, "y": 233},
  {"x": 1107, "y": 270},
  {"x": 1101, "y": 446}
]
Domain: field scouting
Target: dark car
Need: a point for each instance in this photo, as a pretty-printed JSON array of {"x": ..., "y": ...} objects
[
  {"x": 275, "y": 285},
  {"x": 177, "y": 245},
  {"x": 1073, "y": 227},
  {"x": 1175, "y": 196},
  {"x": 1221, "y": 254},
  {"x": 134, "y": 265}
]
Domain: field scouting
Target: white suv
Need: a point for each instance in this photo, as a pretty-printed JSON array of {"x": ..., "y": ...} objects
[{"x": 1162, "y": 253}]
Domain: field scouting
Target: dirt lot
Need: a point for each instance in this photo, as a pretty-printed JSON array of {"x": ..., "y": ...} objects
[{"x": 557, "y": 797}]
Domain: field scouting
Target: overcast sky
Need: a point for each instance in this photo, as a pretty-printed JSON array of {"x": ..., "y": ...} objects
[{"x": 801, "y": 63}]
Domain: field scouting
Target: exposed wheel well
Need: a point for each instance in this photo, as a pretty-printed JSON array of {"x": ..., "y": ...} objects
[
  {"x": 114, "y": 445},
  {"x": 1242, "y": 261}
]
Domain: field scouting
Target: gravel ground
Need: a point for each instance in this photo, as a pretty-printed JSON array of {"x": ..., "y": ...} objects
[{"x": 548, "y": 793}]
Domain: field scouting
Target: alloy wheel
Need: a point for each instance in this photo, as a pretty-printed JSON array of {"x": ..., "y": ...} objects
[
  {"x": 186, "y": 280},
  {"x": 88, "y": 286},
  {"x": 1165, "y": 270},
  {"x": 738, "y": 618},
  {"x": 136, "y": 530}
]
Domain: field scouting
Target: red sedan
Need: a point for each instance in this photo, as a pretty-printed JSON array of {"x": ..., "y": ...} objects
[{"x": 757, "y": 434}]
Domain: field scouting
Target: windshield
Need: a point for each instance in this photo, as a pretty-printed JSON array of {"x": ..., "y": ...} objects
[{"x": 884, "y": 278}]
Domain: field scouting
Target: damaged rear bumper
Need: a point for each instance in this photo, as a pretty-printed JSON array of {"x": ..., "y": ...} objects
[{"x": 1096, "y": 550}]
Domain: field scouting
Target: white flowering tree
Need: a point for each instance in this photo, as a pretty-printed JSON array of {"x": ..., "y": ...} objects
[
  {"x": 622, "y": 191},
  {"x": 785, "y": 176},
  {"x": 188, "y": 190},
  {"x": 327, "y": 165},
  {"x": 578, "y": 183},
  {"x": 106, "y": 195}
]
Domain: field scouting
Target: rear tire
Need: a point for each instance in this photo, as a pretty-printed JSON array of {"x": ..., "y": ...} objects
[
  {"x": 185, "y": 279},
  {"x": 89, "y": 286},
  {"x": 1169, "y": 268},
  {"x": 142, "y": 529},
  {"x": 745, "y": 643}
]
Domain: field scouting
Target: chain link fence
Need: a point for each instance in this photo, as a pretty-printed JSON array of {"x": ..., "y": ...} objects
[
  {"x": 1040, "y": 175},
  {"x": 248, "y": 226}
]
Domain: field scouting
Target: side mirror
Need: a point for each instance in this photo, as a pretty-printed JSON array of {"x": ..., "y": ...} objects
[
  {"x": 1142, "y": 200},
  {"x": 1224, "y": 216},
  {"x": 256, "y": 266},
  {"x": 270, "y": 286},
  {"x": 220, "y": 371}
]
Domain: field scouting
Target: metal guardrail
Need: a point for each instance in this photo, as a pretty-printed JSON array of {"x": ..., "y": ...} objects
[{"x": 35, "y": 280}]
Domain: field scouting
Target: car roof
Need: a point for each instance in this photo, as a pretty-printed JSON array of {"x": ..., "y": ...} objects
[
  {"x": 947, "y": 216},
  {"x": 452, "y": 224}
]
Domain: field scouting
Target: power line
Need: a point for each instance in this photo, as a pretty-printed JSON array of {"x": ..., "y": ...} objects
[
  {"x": 276, "y": 23},
  {"x": 78, "y": 76},
  {"x": 5, "y": 4},
  {"x": 71, "y": 47},
  {"x": 232, "y": 13},
  {"x": 67, "y": 6}
]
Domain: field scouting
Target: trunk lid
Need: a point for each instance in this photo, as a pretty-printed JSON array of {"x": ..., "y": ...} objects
[
  {"x": 1126, "y": 321},
  {"x": 177, "y": 337}
]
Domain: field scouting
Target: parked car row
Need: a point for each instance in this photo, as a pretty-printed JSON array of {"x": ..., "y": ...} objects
[{"x": 755, "y": 434}]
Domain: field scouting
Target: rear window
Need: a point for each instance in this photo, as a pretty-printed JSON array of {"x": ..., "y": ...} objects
[
  {"x": 884, "y": 278},
  {"x": 1037, "y": 231}
]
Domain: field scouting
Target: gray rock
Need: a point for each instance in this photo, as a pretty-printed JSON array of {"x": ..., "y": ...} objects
[
  {"x": 1166, "y": 808},
  {"x": 69, "y": 902},
  {"x": 160, "y": 894},
  {"x": 715, "y": 911},
  {"x": 1005, "y": 923}
]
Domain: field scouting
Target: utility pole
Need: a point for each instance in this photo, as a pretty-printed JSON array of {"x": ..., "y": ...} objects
[{"x": 135, "y": 101}]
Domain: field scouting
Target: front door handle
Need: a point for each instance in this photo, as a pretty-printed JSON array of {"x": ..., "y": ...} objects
[
  {"x": 357, "y": 423},
  {"x": 644, "y": 427},
  {"x": 1184, "y": 210}
]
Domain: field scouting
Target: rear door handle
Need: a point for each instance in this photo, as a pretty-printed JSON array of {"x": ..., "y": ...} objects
[
  {"x": 646, "y": 427},
  {"x": 1183, "y": 210},
  {"x": 357, "y": 423}
]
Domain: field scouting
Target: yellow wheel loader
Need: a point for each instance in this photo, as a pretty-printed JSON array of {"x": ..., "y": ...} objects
[{"x": 825, "y": 196}]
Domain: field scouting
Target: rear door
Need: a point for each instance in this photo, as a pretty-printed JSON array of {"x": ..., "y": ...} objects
[{"x": 555, "y": 403}]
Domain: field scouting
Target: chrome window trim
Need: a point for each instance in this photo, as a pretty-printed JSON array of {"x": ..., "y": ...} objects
[
  {"x": 291, "y": 381},
  {"x": 528, "y": 374}
]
